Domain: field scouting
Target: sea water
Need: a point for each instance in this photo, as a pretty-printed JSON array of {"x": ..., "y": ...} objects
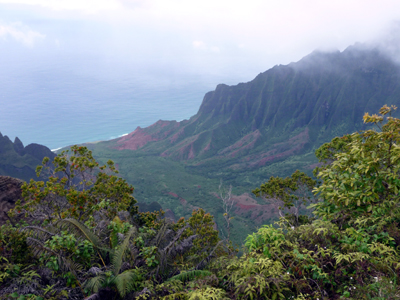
[{"x": 59, "y": 103}]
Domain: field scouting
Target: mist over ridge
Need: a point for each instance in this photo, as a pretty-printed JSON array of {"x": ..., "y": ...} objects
[
  {"x": 126, "y": 64},
  {"x": 245, "y": 133},
  {"x": 286, "y": 110}
]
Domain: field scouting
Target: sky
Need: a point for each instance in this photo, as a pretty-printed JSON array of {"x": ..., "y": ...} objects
[
  {"x": 169, "y": 43},
  {"x": 207, "y": 36}
]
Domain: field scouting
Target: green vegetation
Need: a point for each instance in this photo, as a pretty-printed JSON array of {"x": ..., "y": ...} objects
[
  {"x": 175, "y": 187},
  {"x": 293, "y": 192},
  {"x": 348, "y": 250},
  {"x": 246, "y": 133}
]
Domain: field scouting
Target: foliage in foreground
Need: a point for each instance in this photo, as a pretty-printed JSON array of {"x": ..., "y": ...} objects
[{"x": 350, "y": 250}]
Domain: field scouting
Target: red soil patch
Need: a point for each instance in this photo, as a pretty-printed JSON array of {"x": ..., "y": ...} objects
[
  {"x": 245, "y": 205},
  {"x": 183, "y": 201},
  {"x": 301, "y": 138},
  {"x": 207, "y": 147},
  {"x": 294, "y": 144},
  {"x": 263, "y": 161},
  {"x": 245, "y": 143},
  {"x": 176, "y": 136},
  {"x": 186, "y": 147},
  {"x": 173, "y": 194},
  {"x": 160, "y": 123},
  {"x": 135, "y": 140},
  {"x": 191, "y": 152},
  {"x": 141, "y": 136}
]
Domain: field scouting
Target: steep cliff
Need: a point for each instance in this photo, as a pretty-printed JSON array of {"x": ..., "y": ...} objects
[
  {"x": 284, "y": 111},
  {"x": 245, "y": 133},
  {"x": 19, "y": 161}
]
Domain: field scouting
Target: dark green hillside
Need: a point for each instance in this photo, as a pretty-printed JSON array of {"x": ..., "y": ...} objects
[
  {"x": 244, "y": 134},
  {"x": 175, "y": 187},
  {"x": 93, "y": 243},
  {"x": 284, "y": 111},
  {"x": 19, "y": 161}
]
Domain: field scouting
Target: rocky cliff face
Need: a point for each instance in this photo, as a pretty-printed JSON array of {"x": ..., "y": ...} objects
[
  {"x": 245, "y": 133},
  {"x": 10, "y": 192},
  {"x": 284, "y": 111},
  {"x": 19, "y": 161}
]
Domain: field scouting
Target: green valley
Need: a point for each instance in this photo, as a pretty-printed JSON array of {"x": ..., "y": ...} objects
[{"x": 244, "y": 134}]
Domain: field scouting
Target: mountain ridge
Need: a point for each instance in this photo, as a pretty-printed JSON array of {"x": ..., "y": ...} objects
[
  {"x": 304, "y": 101},
  {"x": 246, "y": 133},
  {"x": 19, "y": 161}
]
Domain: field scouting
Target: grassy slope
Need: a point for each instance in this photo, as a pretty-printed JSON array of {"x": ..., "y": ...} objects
[
  {"x": 180, "y": 188},
  {"x": 291, "y": 109},
  {"x": 173, "y": 186}
]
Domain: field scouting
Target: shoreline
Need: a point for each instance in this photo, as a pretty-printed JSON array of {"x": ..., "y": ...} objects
[{"x": 94, "y": 142}]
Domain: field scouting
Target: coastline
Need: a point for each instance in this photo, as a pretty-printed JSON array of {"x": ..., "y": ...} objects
[{"x": 94, "y": 142}]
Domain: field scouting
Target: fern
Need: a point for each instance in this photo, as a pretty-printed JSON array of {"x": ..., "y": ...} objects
[
  {"x": 190, "y": 275},
  {"x": 46, "y": 233},
  {"x": 93, "y": 284},
  {"x": 81, "y": 230},
  {"x": 125, "y": 282},
  {"x": 66, "y": 264},
  {"x": 119, "y": 252},
  {"x": 160, "y": 234}
]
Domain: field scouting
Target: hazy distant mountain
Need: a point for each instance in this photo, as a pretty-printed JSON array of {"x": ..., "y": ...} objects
[
  {"x": 284, "y": 111},
  {"x": 19, "y": 161},
  {"x": 244, "y": 134}
]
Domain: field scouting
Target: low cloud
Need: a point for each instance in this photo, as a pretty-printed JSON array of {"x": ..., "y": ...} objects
[
  {"x": 21, "y": 33},
  {"x": 199, "y": 45},
  {"x": 203, "y": 46},
  {"x": 134, "y": 3},
  {"x": 87, "y": 7},
  {"x": 389, "y": 40}
]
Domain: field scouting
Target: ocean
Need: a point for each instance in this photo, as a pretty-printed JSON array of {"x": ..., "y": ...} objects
[{"x": 61, "y": 103}]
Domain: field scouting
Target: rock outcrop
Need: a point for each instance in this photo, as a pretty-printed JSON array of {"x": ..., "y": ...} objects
[
  {"x": 10, "y": 192},
  {"x": 286, "y": 111},
  {"x": 19, "y": 161}
]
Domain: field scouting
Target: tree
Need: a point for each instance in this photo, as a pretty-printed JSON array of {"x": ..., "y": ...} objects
[
  {"x": 361, "y": 181},
  {"x": 227, "y": 204},
  {"x": 201, "y": 226},
  {"x": 76, "y": 187},
  {"x": 292, "y": 192}
]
